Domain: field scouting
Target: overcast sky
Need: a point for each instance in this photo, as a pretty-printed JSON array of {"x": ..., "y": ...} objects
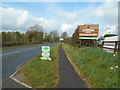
[{"x": 61, "y": 16}]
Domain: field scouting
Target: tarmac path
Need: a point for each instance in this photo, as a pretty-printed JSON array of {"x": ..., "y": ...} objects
[{"x": 68, "y": 76}]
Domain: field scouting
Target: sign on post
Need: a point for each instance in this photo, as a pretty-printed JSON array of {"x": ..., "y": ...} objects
[
  {"x": 46, "y": 53},
  {"x": 61, "y": 39}
]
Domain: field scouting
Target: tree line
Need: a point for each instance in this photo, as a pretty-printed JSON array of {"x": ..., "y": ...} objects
[
  {"x": 74, "y": 39},
  {"x": 11, "y": 38},
  {"x": 34, "y": 35}
]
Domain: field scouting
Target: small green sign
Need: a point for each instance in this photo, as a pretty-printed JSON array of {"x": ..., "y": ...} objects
[
  {"x": 46, "y": 53},
  {"x": 88, "y": 38},
  {"x": 45, "y": 48}
]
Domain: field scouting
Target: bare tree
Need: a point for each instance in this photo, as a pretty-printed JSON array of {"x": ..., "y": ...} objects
[
  {"x": 64, "y": 35},
  {"x": 54, "y": 34},
  {"x": 36, "y": 27}
]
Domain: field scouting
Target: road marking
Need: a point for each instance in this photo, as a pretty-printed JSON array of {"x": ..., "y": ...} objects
[
  {"x": 20, "y": 82},
  {"x": 16, "y": 80},
  {"x": 17, "y": 51},
  {"x": 13, "y": 74}
]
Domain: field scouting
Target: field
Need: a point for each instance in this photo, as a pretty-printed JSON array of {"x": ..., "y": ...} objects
[
  {"x": 97, "y": 67},
  {"x": 42, "y": 73}
]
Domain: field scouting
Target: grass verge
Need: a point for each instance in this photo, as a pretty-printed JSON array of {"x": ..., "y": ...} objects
[
  {"x": 97, "y": 67},
  {"x": 42, "y": 73}
]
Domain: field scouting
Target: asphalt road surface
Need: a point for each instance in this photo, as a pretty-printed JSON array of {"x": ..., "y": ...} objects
[
  {"x": 13, "y": 59},
  {"x": 68, "y": 76}
]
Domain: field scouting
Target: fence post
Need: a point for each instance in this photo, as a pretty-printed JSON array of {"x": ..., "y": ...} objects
[
  {"x": 102, "y": 44},
  {"x": 118, "y": 46},
  {"x": 115, "y": 46},
  {"x": 80, "y": 43}
]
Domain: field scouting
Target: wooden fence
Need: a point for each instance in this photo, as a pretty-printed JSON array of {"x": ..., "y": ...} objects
[{"x": 111, "y": 45}]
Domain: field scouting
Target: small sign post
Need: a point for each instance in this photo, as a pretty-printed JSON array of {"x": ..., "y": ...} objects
[
  {"x": 46, "y": 53},
  {"x": 61, "y": 40}
]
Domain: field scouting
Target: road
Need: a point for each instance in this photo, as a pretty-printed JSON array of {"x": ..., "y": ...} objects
[{"x": 13, "y": 59}]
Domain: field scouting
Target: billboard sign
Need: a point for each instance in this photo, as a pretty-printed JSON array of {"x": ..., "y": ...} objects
[{"x": 88, "y": 30}]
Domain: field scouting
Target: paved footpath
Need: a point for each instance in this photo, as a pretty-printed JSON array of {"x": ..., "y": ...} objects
[{"x": 68, "y": 76}]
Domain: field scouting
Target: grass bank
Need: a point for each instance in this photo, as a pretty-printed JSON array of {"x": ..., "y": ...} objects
[
  {"x": 42, "y": 73},
  {"x": 97, "y": 67}
]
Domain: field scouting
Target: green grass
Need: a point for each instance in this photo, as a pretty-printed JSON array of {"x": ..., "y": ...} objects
[
  {"x": 42, "y": 73},
  {"x": 94, "y": 65}
]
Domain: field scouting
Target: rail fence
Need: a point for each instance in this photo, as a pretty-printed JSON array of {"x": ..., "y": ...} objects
[{"x": 111, "y": 45}]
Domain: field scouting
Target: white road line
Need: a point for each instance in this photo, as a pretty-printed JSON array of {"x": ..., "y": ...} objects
[
  {"x": 13, "y": 74},
  {"x": 16, "y": 80},
  {"x": 17, "y": 51}
]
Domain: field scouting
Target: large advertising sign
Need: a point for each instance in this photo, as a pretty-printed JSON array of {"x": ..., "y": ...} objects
[{"x": 88, "y": 30}]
